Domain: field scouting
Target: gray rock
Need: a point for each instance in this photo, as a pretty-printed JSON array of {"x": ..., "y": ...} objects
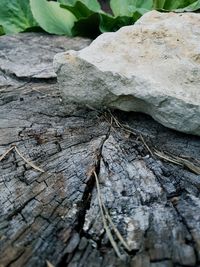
[{"x": 151, "y": 67}]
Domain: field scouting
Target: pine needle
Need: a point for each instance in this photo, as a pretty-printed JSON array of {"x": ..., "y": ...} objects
[
  {"x": 145, "y": 144},
  {"x": 188, "y": 164},
  {"x": 6, "y": 153},
  {"x": 179, "y": 161},
  {"x": 49, "y": 264},
  {"x": 106, "y": 227},
  {"x": 28, "y": 162},
  {"x": 165, "y": 157},
  {"x": 115, "y": 229},
  {"x": 108, "y": 232},
  {"x": 20, "y": 154}
]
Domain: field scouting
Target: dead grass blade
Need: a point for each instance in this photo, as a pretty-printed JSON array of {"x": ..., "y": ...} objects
[
  {"x": 106, "y": 227},
  {"x": 20, "y": 154},
  {"x": 189, "y": 165},
  {"x": 170, "y": 158},
  {"x": 27, "y": 161},
  {"x": 115, "y": 229},
  {"x": 179, "y": 161},
  {"x": 145, "y": 144},
  {"x": 165, "y": 157},
  {"x": 120, "y": 125},
  {"x": 6, "y": 153},
  {"x": 49, "y": 264}
]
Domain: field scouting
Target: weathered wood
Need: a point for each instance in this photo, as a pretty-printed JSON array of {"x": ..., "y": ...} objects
[{"x": 55, "y": 215}]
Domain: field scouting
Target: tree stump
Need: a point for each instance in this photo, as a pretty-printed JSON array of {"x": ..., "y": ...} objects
[{"x": 49, "y": 200}]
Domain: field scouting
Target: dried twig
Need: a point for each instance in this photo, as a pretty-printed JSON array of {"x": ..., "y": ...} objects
[
  {"x": 107, "y": 216},
  {"x": 145, "y": 144},
  {"x": 165, "y": 157},
  {"x": 28, "y": 162},
  {"x": 108, "y": 232},
  {"x": 179, "y": 161},
  {"x": 49, "y": 264},
  {"x": 172, "y": 158},
  {"x": 188, "y": 164},
  {"x": 115, "y": 229},
  {"x": 20, "y": 154},
  {"x": 6, "y": 153},
  {"x": 121, "y": 125}
]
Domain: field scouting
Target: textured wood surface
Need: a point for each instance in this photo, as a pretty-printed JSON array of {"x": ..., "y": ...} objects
[{"x": 54, "y": 215}]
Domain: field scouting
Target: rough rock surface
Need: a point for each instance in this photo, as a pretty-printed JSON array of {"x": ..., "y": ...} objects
[
  {"x": 55, "y": 215},
  {"x": 151, "y": 67}
]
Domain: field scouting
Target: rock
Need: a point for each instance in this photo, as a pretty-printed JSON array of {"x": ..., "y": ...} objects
[{"x": 151, "y": 67}]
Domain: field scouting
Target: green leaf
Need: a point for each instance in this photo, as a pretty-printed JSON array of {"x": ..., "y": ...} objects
[
  {"x": 193, "y": 7},
  {"x": 82, "y": 9},
  {"x": 88, "y": 26},
  {"x": 52, "y": 18},
  {"x": 79, "y": 10},
  {"x": 129, "y": 7},
  {"x": 87, "y": 15},
  {"x": 109, "y": 23},
  {"x": 67, "y": 2},
  {"x": 92, "y": 5},
  {"x": 1, "y": 30},
  {"x": 16, "y": 16},
  {"x": 172, "y": 5}
]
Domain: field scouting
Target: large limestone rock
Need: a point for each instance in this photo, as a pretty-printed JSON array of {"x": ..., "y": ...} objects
[{"x": 151, "y": 67}]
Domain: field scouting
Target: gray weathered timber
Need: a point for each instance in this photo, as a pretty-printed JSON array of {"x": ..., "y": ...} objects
[
  {"x": 31, "y": 57},
  {"x": 55, "y": 215}
]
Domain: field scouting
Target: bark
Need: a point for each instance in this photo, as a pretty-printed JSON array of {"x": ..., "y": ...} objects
[{"x": 55, "y": 215}]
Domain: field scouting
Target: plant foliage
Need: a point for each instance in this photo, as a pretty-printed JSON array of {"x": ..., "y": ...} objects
[
  {"x": 52, "y": 18},
  {"x": 16, "y": 16},
  {"x": 1, "y": 30},
  {"x": 80, "y": 17}
]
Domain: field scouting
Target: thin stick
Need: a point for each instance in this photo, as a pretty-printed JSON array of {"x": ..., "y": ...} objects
[
  {"x": 115, "y": 229},
  {"x": 189, "y": 165},
  {"x": 112, "y": 241},
  {"x": 27, "y": 161},
  {"x": 179, "y": 161},
  {"x": 6, "y": 153},
  {"x": 145, "y": 144},
  {"x": 49, "y": 264},
  {"x": 126, "y": 128},
  {"x": 163, "y": 156}
]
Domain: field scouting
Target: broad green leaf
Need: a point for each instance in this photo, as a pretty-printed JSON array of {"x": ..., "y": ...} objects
[
  {"x": 128, "y": 7},
  {"x": 88, "y": 19},
  {"x": 88, "y": 26},
  {"x": 81, "y": 9},
  {"x": 52, "y": 18},
  {"x": 172, "y": 5},
  {"x": 92, "y": 5},
  {"x": 67, "y": 2},
  {"x": 193, "y": 7},
  {"x": 1, "y": 30},
  {"x": 109, "y": 23},
  {"x": 16, "y": 16}
]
